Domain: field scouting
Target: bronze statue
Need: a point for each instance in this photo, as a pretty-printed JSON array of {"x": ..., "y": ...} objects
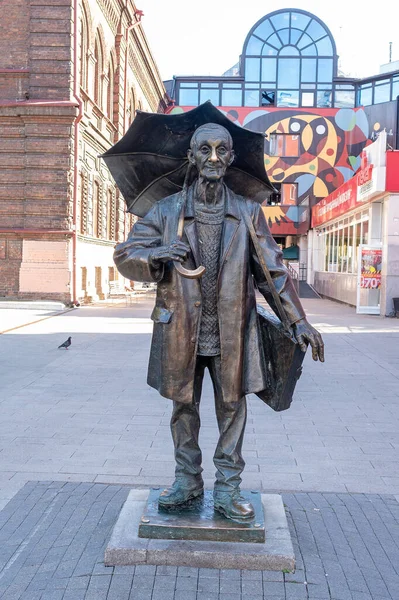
[{"x": 209, "y": 322}]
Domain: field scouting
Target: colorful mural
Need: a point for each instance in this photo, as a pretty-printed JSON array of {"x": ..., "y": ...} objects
[{"x": 330, "y": 144}]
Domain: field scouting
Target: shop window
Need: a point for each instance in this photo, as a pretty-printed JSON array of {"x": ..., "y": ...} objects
[
  {"x": 251, "y": 98},
  {"x": 326, "y": 251},
  {"x": 282, "y": 144},
  {"x": 188, "y": 97},
  {"x": 365, "y": 232},
  {"x": 341, "y": 243},
  {"x": 395, "y": 88},
  {"x": 268, "y": 97},
  {"x": 307, "y": 99},
  {"x": 324, "y": 98},
  {"x": 288, "y": 98},
  {"x": 382, "y": 92},
  {"x": 366, "y": 95},
  {"x": 344, "y": 99},
  {"x": 343, "y": 251},
  {"x": 210, "y": 94},
  {"x": 231, "y": 97}
]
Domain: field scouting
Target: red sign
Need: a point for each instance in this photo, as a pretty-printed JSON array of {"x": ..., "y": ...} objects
[
  {"x": 366, "y": 170},
  {"x": 393, "y": 171},
  {"x": 336, "y": 204},
  {"x": 371, "y": 264}
]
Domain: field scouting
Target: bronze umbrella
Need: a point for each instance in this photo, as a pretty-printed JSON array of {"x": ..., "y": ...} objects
[{"x": 150, "y": 161}]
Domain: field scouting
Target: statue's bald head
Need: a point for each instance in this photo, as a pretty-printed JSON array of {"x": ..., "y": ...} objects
[{"x": 214, "y": 130}]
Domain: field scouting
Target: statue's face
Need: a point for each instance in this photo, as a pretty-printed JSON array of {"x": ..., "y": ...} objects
[{"x": 211, "y": 153}]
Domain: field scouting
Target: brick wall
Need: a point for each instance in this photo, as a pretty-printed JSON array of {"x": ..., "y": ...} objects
[
  {"x": 50, "y": 49},
  {"x": 37, "y": 117}
]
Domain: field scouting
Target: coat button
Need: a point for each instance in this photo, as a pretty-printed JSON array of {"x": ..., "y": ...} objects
[
  {"x": 197, "y": 303},
  {"x": 193, "y": 340}
]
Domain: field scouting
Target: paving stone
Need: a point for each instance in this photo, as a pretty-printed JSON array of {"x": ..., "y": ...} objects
[{"x": 351, "y": 536}]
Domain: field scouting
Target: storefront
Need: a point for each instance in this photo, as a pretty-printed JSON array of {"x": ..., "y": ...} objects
[{"x": 355, "y": 238}]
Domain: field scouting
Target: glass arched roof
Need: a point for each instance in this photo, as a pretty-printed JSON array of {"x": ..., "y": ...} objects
[
  {"x": 290, "y": 32},
  {"x": 291, "y": 54}
]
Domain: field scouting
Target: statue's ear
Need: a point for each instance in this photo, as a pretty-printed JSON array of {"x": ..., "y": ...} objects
[
  {"x": 190, "y": 156},
  {"x": 232, "y": 157}
]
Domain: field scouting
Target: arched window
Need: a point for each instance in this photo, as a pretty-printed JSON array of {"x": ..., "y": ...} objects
[
  {"x": 83, "y": 204},
  {"x": 109, "y": 214},
  {"x": 98, "y": 72},
  {"x": 96, "y": 207},
  {"x": 289, "y": 59},
  {"x": 110, "y": 89},
  {"x": 131, "y": 109},
  {"x": 84, "y": 45}
]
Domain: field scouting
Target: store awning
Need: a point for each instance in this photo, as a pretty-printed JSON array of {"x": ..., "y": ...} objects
[{"x": 291, "y": 253}]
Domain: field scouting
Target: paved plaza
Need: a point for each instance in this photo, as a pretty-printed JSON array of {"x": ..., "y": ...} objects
[{"x": 80, "y": 427}]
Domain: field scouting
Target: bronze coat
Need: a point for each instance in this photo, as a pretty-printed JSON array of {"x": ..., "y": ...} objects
[{"x": 177, "y": 311}]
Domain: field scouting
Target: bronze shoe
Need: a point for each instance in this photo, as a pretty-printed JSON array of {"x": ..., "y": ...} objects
[
  {"x": 179, "y": 494},
  {"x": 233, "y": 506}
]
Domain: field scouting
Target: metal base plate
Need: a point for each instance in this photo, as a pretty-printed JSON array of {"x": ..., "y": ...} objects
[{"x": 197, "y": 520}]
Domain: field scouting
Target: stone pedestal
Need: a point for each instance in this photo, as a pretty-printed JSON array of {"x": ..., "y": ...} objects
[
  {"x": 198, "y": 520},
  {"x": 127, "y": 548}
]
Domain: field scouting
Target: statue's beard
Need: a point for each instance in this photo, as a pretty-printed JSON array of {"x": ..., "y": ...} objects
[{"x": 209, "y": 191}]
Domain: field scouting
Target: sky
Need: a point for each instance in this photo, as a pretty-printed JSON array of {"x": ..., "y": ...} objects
[{"x": 205, "y": 37}]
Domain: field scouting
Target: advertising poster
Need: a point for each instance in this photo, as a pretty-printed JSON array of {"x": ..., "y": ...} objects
[{"x": 371, "y": 264}]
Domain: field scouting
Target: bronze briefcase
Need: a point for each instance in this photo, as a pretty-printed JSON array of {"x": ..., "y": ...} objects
[{"x": 283, "y": 359}]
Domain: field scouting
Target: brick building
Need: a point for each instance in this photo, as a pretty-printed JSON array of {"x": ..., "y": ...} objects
[{"x": 72, "y": 75}]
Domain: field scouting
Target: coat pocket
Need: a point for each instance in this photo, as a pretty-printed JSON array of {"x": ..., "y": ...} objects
[{"x": 161, "y": 315}]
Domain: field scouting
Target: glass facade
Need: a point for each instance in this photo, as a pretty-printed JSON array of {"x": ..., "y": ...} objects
[{"x": 289, "y": 60}]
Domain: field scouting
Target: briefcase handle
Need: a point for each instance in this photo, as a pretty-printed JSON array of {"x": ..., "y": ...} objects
[{"x": 266, "y": 272}]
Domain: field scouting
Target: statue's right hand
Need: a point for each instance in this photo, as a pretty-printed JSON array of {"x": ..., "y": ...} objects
[{"x": 177, "y": 251}]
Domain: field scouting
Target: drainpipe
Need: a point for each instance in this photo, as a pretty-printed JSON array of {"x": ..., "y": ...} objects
[
  {"x": 76, "y": 96},
  {"x": 138, "y": 14}
]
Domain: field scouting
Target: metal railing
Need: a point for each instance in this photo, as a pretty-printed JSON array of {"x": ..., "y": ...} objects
[{"x": 294, "y": 277}]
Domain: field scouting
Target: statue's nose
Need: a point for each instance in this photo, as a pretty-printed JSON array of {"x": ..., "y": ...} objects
[{"x": 214, "y": 156}]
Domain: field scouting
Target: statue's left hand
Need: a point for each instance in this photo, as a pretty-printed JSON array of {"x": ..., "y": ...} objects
[{"x": 306, "y": 334}]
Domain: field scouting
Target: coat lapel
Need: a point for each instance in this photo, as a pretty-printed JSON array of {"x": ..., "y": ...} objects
[
  {"x": 229, "y": 230},
  {"x": 231, "y": 224},
  {"x": 191, "y": 234}
]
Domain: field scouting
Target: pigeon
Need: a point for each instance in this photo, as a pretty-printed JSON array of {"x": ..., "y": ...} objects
[{"x": 66, "y": 344}]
